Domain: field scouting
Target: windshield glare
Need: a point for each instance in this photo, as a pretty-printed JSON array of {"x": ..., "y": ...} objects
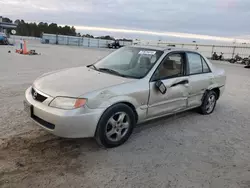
[{"x": 130, "y": 61}]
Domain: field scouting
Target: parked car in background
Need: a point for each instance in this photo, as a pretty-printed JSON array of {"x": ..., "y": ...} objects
[
  {"x": 132, "y": 85},
  {"x": 115, "y": 44},
  {"x": 3, "y": 39}
]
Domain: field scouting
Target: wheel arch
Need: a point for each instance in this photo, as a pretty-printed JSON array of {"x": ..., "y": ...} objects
[
  {"x": 215, "y": 89},
  {"x": 132, "y": 107},
  {"x": 129, "y": 104}
]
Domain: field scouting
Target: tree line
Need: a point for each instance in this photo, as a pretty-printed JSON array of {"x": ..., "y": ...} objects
[{"x": 36, "y": 30}]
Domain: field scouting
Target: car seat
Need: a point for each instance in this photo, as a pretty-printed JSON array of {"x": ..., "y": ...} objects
[{"x": 169, "y": 68}]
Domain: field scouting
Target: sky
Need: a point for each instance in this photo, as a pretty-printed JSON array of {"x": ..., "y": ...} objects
[{"x": 185, "y": 20}]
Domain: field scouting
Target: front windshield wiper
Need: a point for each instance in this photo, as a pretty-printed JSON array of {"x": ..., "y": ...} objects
[
  {"x": 92, "y": 65},
  {"x": 112, "y": 72}
]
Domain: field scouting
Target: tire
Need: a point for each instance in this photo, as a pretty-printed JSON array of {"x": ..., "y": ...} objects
[
  {"x": 207, "y": 108},
  {"x": 115, "y": 126}
]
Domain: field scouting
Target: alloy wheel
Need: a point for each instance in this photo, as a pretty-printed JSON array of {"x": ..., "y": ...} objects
[
  {"x": 210, "y": 103},
  {"x": 117, "y": 126}
]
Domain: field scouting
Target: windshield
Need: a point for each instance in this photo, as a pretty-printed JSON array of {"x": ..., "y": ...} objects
[{"x": 129, "y": 62}]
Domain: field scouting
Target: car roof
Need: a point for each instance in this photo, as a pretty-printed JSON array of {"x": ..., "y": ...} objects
[{"x": 165, "y": 48}]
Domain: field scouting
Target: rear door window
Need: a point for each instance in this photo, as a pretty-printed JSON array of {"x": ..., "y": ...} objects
[
  {"x": 205, "y": 67},
  {"x": 195, "y": 64}
]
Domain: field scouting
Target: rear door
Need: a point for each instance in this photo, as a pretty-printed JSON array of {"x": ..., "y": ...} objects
[
  {"x": 200, "y": 77},
  {"x": 172, "y": 73}
]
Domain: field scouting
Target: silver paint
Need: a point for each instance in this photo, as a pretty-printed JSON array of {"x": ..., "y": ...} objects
[{"x": 103, "y": 90}]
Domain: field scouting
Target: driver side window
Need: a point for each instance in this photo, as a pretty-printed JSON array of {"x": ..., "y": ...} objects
[{"x": 170, "y": 67}]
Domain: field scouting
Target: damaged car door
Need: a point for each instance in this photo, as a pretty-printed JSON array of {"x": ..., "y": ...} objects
[
  {"x": 168, "y": 86},
  {"x": 200, "y": 78}
]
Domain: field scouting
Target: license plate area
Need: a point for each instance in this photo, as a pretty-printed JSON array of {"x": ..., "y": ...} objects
[{"x": 28, "y": 108}]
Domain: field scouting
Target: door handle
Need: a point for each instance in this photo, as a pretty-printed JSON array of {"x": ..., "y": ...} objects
[{"x": 182, "y": 82}]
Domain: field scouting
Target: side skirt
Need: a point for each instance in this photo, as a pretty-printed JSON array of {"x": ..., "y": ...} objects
[{"x": 183, "y": 110}]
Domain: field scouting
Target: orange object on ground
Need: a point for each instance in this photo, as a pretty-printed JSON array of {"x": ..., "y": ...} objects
[
  {"x": 19, "y": 51},
  {"x": 25, "y": 51}
]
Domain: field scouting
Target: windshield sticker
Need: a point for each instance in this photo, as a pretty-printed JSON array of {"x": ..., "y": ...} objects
[{"x": 142, "y": 52}]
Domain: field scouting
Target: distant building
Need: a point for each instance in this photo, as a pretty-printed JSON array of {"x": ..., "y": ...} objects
[{"x": 5, "y": 25}]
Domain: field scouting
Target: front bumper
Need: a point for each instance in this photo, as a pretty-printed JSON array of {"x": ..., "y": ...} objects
[{"x": 77, "y": 123}]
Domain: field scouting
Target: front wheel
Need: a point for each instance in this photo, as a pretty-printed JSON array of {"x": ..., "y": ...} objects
[
  {"x": 209, "y": 103},
  {"x": 115, "y": 126}
]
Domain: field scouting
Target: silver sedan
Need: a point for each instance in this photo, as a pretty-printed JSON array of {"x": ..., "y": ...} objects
[{"x": 132, "y": 85}]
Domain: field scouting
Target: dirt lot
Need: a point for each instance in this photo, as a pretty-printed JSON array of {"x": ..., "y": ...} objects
[{"x": 186, "y": 150}]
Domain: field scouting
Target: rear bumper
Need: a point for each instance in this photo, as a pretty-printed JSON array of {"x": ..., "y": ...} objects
[
  {"x": 77, "y": 123},
  {"x": 222, "y": 89}
]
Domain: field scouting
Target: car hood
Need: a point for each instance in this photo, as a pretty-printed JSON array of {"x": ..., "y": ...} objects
[{"x": 75, "y": 82}]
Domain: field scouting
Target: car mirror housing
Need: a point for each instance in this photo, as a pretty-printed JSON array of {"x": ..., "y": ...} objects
[{"x": 160, "y": 86}]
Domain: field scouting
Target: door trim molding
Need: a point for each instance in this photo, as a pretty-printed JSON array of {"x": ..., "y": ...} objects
[{"x": 168, "y": 101}]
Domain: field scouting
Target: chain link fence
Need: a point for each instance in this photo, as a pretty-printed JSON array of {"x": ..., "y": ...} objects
[
  {"x": 229, "y": 51},
  {"x": 78, "y": 41}
]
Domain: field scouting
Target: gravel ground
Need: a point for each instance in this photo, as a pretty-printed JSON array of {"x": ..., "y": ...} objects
[{"x": 185, "y": 150}]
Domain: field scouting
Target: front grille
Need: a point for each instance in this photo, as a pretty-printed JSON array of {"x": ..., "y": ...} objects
[{"x": 36, "y": 96}]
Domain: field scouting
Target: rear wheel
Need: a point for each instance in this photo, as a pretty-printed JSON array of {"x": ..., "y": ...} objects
[
  {"x": 209, "y": 103},
  {"x": 115, "y": 126}
]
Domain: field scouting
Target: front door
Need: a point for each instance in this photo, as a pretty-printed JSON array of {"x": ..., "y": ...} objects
[{"x": 172, "y": 73}]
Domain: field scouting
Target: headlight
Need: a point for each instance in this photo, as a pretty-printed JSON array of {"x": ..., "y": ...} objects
[{"x": 67, "y": 103}]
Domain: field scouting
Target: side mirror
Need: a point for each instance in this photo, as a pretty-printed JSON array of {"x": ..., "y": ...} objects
[{"x": 160, "y": 86}]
